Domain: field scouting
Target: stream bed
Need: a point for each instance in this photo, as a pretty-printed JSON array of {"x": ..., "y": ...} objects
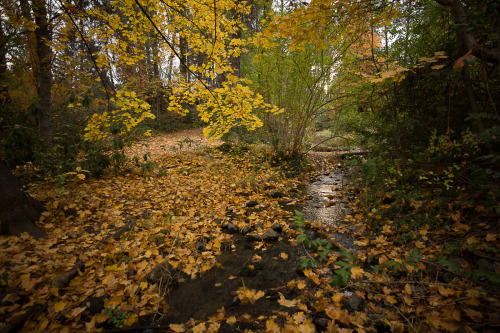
[{"x": 203, "y": 297}]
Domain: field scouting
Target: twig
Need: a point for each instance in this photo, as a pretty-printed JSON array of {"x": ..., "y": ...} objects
[
  {"x": 410, "y": 282},
  {"x": 124, "y": 229},
  {"x": 457, "y": 274},
  {"x": 64, "y": 279}
]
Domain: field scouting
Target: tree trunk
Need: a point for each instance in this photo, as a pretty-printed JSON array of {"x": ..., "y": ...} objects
[
  {"x": 236, "y": 59},
  {"x": 4, "y": 88},
  {"x": 18, "y": 210},
  {"x": 44, "y": 68},
  {"x": 183, "y": 50}
]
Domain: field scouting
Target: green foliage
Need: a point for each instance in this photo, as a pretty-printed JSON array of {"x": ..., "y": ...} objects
[
  {"x": 116, "y": 316},
  {"x": 300, "y": 221},
  {"x": 320, "y": 246},
  {"x": 343, "y": 275}
]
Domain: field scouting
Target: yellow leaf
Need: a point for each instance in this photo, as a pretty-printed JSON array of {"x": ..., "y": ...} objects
[
  {"x": 337, "y": 298},
  {"x": 301, "y": 285},
  {"x": 284, "y": 256},
  {"x": 299, "y": 317},
  {"x": 474, "y": 315},
  {"x": 312, "y": 276},
  {"x": 357, "y": 272},
  {"x": 285, "y": 302},
  {"x": 362, "y": 242},
  {"x": 491, "y": 237},
  {"x": 177, "y": 328},
  {"x": 143, "y": 285},
  {"x": 408, "y": 289},
  {"x": 91, "y": 324},
  {"x": 231, "y": 320},
  {"x": 76, "y": 311},
  {"x": 200, "y": 328},
  {"x": 471, "y": 240},
  {"x": 408, "y": 300},
  {"x": 80, "y": 176},
  {"x": 42, "y": 325},
  {"x": 446, "y": 291},
  {"x": 423, "y": 230},
  {"x": 115, "y": 267},
  {"x": 54, "y": 291},
  {"x": 390, "y": 299},
  {"x": 420, "y": 245},
  {"x": 307, "y": 327},
  {"x": 130, "y": 320},
  {"x": 59, "y": 306},
  {"x": 437, "y": 66},
  {"x": 271, "y": 326}
]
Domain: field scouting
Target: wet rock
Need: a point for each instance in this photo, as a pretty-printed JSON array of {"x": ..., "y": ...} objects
[
  {"x": 486, "y": 265},
  {"x": 272, "y": 294},
  {"x": 235, "y": 302},
  {"x": 251, "y": 203},
  {"x": 94, "y": 304},
  {"x": 200, "y": 246},
  {"x": 276, "y": 194},
  {"x": 247, "y": 271},
  {"x": 277, "y": 227},
  {"x": 267, "y": 236},
  {"x": 226, "y": 246},
  {"x": 237, "y": 327},
  {"x": 253, "y": 237},
  {"x": 165, "y": 273},
  {"x": 321, "y": 323},
  {"x": 230, "y": 228},
  {"x": 245, "y": 230},
  {"x": 270, "y": 235},
  {"x": 258, "y": 265},
  {"x": 354, "y": 303}
]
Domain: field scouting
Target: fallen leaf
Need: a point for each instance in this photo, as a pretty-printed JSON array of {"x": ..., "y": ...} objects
[
  {"x": 200, "y": 328},
  {"x": 357, "y": 272},
  {"x": 288, "y": 303},
  {"x": 474, "y": 315},
  {"x": 59, "y": 306},
  {"x": 131, "y": 320},
  {"x": 446, "y": 291},
  {"x": 177, "y": 328}
]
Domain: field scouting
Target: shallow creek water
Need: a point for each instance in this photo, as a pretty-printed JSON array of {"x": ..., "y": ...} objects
[
  {"x": 328, "y": 203},
  {"x": 203, "y": 297}
]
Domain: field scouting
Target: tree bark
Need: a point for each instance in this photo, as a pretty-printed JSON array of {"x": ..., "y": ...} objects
[
  {"x": 18, "y": 210},
  {"x": 44, "y": 67},
  {"x": 4, "y": 91},
  {"x": 236, "y": 60},
  {"x": 465, "y": 39}
]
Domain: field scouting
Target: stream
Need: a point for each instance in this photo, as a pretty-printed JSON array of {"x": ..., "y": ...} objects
[
  {"x": 327, "y": 202},
  {"x": 203, "y": 297}
]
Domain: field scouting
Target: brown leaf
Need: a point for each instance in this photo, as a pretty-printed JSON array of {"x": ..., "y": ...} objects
[{"x": 285, "y": 302}]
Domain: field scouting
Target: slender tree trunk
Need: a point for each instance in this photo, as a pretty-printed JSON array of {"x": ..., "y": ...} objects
[
  {"x": 4, "y": 90},
  {"x": 183, "y": 50},
  {"x": 236, "y": 60},
  {"x": 44, "y": 68}
]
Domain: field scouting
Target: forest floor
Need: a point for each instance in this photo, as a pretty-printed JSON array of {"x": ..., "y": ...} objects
[{"x": 207, "y": 239}]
